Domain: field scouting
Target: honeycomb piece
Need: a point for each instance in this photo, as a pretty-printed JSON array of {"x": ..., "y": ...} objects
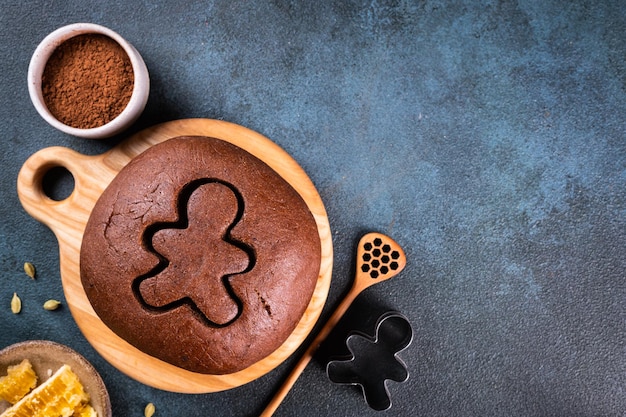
[
  {"x": 85, "y": 411},
  {"x": 58, "y": 396},
  {"x": 18, "y": 382}
]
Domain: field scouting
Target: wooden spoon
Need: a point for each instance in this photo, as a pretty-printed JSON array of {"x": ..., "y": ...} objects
[{"x": 378, "y": 259}]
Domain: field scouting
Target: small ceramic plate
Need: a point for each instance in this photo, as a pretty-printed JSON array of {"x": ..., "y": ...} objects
[{"x": 46, "y": 358}]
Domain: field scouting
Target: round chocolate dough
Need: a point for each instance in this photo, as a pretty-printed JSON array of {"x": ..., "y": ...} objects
[{"x": 201, "y": 255}]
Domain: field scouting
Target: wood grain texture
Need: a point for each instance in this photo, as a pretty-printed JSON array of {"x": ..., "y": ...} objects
[{"x": 68, "y": 218}]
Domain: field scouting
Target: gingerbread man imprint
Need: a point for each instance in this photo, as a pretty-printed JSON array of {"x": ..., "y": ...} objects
[{"x": 209, "y": 258}]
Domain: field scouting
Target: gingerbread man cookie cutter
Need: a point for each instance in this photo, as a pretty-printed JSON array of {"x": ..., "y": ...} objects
[{"x": 374, "y": 359}]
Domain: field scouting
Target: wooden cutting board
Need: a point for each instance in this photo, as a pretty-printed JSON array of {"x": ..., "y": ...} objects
[{"x": 68, "y": 218}]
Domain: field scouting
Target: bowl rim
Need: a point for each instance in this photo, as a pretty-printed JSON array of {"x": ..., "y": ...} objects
[{"x": 139, "y": 96}]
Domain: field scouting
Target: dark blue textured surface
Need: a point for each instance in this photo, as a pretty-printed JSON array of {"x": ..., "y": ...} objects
[{"x": 487, "y": 138}]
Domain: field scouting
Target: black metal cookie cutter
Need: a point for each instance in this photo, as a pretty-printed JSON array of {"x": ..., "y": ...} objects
[{"x": 374, "y": 359}]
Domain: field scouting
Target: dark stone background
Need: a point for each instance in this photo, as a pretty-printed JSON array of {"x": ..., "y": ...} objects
[{"x": 487, "y": 138}]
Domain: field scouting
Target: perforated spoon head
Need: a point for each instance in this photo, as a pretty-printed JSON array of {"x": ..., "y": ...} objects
[{"x": 379, "y": 258}]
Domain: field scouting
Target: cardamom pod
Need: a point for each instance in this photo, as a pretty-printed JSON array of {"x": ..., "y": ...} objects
[
  {"x": 149, "y": 410},
  {"x": 16, "y": 304},
  {"x": 51, "y": 305},
  {"x": 29, "y": 268}
]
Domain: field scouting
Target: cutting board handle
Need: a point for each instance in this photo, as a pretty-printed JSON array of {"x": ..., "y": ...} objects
[{"x": 73, "y": 211}]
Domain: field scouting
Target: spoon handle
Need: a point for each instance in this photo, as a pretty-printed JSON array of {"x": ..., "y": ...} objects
[{"x": 308, "y": 354}]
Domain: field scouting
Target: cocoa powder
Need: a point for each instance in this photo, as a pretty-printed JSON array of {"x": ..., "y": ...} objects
[{"x": 87, "y": 81}]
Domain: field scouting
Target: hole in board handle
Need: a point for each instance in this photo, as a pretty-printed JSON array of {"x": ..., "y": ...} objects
[{"x": 57, "y": 183}]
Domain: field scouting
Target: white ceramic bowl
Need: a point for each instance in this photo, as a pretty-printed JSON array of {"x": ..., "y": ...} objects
[{"x": 138, "y": 98}]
